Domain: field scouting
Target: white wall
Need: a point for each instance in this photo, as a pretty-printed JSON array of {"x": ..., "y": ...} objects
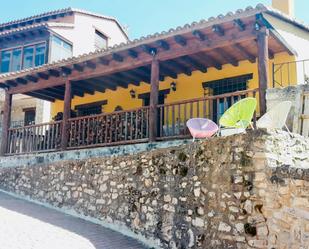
[
  {"x": 83, "y": 34},
  {"x": 298, "y": 39}
]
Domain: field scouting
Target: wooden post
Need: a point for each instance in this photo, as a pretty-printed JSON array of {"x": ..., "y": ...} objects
[
  {"x": 154, "y": 97},
  {"x": 66, "y": 114},
  {"x": 6, "y": 122},
  {"x": 263, "y": 67}
]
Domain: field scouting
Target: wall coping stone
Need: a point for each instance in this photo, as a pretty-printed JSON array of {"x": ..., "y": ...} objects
[{"x": 81, "y": 154}]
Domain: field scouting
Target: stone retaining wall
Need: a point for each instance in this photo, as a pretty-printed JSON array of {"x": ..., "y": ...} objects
[{"x": 243, "y": 191}]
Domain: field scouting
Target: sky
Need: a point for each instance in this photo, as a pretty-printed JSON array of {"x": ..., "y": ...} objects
[{"x": 141, "y": 17}]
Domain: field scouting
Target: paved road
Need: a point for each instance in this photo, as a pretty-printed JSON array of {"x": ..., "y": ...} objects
[{"x": 24, "y": 225}]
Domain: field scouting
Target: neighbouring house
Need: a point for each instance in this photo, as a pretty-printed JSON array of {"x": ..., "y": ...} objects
[
  {"x": 146, "y": 89},
  {"x": 46, "y": 38}
]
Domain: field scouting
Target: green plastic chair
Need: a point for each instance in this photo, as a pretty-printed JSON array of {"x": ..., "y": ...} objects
[{"x": 239, "y": 115}]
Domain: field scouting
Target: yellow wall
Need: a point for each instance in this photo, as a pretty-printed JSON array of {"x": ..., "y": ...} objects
[{"x": 188, "y": 87}]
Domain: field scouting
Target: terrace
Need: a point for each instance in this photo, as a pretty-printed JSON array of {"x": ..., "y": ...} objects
[{"x": 202, "y": 47}]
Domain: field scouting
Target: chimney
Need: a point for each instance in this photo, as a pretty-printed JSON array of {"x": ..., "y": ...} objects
[{"x": 285, "y": 6}]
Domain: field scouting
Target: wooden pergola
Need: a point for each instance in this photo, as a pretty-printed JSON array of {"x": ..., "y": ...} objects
[{"x": 226, "y": 40}]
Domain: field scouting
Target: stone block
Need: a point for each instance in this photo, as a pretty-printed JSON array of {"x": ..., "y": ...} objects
[{"x": 223, "y": 227}]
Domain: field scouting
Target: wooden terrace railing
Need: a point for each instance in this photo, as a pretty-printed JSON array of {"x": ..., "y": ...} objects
[
  {"x": 120, "y": 127},
  {"x": 34, "y": 138},
  {"x": 123, "y": 127}
]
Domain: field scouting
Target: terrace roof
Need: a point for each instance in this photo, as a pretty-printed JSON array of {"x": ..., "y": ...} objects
[{"x": 223, "y": 40}]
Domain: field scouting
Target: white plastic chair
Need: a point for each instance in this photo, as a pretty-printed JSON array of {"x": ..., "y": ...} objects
[
  {"x": 202, "y": 127},
  {"x": 276, "y": 117}
]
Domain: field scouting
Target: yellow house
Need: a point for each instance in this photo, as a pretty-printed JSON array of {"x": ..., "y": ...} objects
[{"x": 146, "y": 89}]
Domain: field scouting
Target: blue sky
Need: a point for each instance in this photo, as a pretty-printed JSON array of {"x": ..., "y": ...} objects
[{"x": 142, "y": 17}]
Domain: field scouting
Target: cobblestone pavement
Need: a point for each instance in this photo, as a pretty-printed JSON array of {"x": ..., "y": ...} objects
[{"x": 24, "y": 225}]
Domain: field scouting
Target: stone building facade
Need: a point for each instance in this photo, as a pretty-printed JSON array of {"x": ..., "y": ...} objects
[{"x": 243, "y": 191}]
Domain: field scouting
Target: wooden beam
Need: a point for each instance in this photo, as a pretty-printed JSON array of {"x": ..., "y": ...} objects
[
  {"x": 43, "y": 76},
  {"x": 199, "y": 35},
  {"x": 75, "y": 91},
  {"x": 149, "y": 50},
  {"x": 167, "y": 72},
  {"x": 54, "y": 73},
  {"x": 226, "y": 56},
  {"x": 51, "y": 82},
  {"x": 176, "y": 67},
  {"x": 130, "y": 78},
  {"x": 103, "y": 61},
  {"x": 107, "y": 83},
  {"x": 119, "y": 81},
  {"x": 66, "y": 115},
  {"x": 239, "y": 24},
  {"x": 244, "y": 52},
  {"x": 21, "y": 81},
  {"x": 32, "y": 78},
  {"x": 50, "y": 93},
  {"x": 263, "y": 67},
  {"x": 40, "y": 96},
  {"x": 154, "y": 98},
  {"x": 194, "y": 63},
  {"x": 218, "y": 30},
  {"x": 6, "y": 123},
  {"x": 163, "y": 44},
  {"x": 180, "y": 40},
  {"x": 83, "y": 87},
  {"x": 11, "y": 83},
  {"x": 78, "y": 67},
  {"x": 57, "y": 90},
  {"x": 132, "y": 53},
  {"x": 96, "y": 86},
  {"x": 90, "y": 64},
  {"x": 141, "y": 77},
  {"x": 66, "y": 70},
  {"x": 117, "y": 57},
  {"x": 209, "y": 60}
]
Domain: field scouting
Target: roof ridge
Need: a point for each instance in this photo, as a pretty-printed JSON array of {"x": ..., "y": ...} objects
[
  {"x": 93, "y": 13},
  {"x": 36, "y": 16}
]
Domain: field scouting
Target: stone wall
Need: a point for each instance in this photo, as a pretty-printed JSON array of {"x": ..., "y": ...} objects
[
  {"x": 293, "y": 94},
  {"x": 243, "y": 191}
]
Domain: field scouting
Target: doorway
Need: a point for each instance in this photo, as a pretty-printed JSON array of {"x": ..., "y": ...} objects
[
  {"x": 161, "y": 100},
  {"x": 222, "y": 86}
]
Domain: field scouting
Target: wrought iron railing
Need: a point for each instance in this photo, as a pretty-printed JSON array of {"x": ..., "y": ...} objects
[
  {"x": 173, "y": 117},
  {"x": 291, "y": 73}
]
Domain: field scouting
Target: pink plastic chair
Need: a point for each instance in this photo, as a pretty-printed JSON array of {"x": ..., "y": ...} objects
[{"x": 202, "y": 127}]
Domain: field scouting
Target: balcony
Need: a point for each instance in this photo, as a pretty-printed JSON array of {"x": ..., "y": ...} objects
[{"x": 122, "y": 127}]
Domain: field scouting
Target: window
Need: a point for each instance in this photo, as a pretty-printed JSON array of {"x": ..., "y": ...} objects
[
  {"x": 28, "y": 57},
  {"x": 90, "y": 109},
  {"x": 16, "y": 60},
  {"x": 100, "y": 40},
  {"x": 222, "y": 86},
  {"x": 5, "y": 61},
  {"x": 29, "y": 116},
  {"x": 11, "y": 59},
  {"x": 40, "y": 52},
  {"x": 60, "y": 49}
]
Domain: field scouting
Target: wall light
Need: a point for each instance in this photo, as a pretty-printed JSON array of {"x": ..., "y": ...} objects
[
  {"x": 173, "y": 86},
  {"x": 133, "y": 94}
]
